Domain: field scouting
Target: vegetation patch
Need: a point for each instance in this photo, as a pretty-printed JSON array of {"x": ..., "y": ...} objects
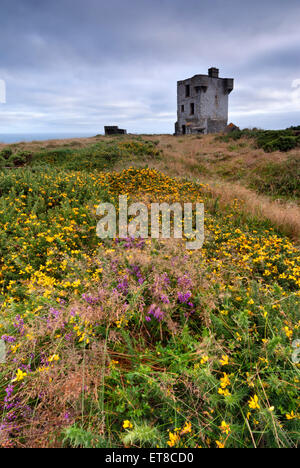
[
  {"x": 10, "y": 159},
  {"x": 278, "y": 179},
  {"x": 98, "y": 156},
  {"x": 268, "y": 140},
  {"x": 139, "y": 342}
]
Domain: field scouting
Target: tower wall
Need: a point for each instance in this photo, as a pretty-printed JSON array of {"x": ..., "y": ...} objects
[{"x": 202, "y": 103}]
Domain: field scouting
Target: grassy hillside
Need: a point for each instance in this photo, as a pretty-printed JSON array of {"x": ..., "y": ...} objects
[{"x": 141, "y": 342}]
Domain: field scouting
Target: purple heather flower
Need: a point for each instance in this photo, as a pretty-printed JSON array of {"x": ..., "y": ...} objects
[
  {"x": 184, "y": 298},
  {"x": 123, "y": 285},
  {"x": 114, "y": 265},
  {"x": 8, "y": 339},
  {"x": 165, "y": 279},
  {"x": 135, "y": 270},
  {"x": 132, "y": 242},
  {"x": 164, "y": 298},
  {"x": 19, "y": 324},
  {"x": 9, "y": 391},
  {"x": 54, "y": 312},
  {"x": 185, "y": 282},
  {"x": 68, "y": 337},
  {"x": 156, "y": 312},
  {"x": 90, "y": 299}
]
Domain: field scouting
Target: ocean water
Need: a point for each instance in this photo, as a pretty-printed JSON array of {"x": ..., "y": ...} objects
[{"x": 18, "y": 137}]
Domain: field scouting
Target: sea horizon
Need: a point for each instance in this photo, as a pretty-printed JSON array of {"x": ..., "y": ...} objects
[{"x": 8, "y": 138}]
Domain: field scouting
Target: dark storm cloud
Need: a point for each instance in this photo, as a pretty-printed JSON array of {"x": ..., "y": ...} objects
[{"x": 74, "y": 64}]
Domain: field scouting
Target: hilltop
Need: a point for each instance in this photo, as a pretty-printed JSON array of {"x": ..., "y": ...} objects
[{"x": 234, "y": 166}]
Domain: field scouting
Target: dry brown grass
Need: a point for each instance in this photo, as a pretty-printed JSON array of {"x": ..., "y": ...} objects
[
  {"x": 50, "y": 144},
  {"x": 284, "y": 216},
  {"x": 207, "y": 156}
]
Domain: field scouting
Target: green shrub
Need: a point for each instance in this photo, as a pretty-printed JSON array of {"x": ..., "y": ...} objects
[
  {"x": 277, "y": 141},
  {"x": 99, "y": 156},
  {"x": 278, "y": 179},
  {"x": 268, "y": 140},
  {"x": 9, "y": 159},
  {"x": 77, "y": 437}
]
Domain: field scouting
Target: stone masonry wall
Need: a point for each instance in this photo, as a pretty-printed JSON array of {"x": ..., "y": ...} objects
[{"x": 209, "y": 97}]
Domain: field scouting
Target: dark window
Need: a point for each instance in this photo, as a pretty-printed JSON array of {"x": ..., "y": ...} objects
[
  {"x": 192, "y": 108},
  {"x": 187, "y": 90},
  {"x": 182, "y": 108}
]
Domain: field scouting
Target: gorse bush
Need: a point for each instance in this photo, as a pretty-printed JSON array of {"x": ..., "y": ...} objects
[{"x": 39, "y": 206}]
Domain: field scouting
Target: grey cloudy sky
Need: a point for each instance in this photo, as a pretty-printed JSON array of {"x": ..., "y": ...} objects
[{"x": 76, "y": 65}]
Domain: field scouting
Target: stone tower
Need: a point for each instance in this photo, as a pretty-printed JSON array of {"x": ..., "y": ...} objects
[{"x": 202, "y": 103}]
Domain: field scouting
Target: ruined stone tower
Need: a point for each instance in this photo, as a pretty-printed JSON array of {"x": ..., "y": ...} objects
[{"x": 202, "y": 103}]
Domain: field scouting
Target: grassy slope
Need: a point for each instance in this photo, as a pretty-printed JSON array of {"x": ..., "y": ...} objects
[
  {"x": 90, "y": 369},
  {"x": 267, "y": 183}
]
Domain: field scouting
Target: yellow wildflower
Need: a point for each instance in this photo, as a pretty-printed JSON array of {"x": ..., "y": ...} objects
[
  {"x": 127, "y": 424},
  {"x": 225, "y": 428},
  {"x": 225, "y": 360},
  {"x": 253, "y": 402},
  {"x": 224, "y": 380},
  {"x": 19, "y": 376},
  {"x": 220, "y": 445},
  {"x": 204, "y": 359},
  {"x": 291, "y": 415},
  {"x": 224, "y": 392},
  {"x": 54, "y": 357},
  {"x": 288, "y": 332},
  {"x": 187, "y": 428},
  {"x": 173, "y": 439}
]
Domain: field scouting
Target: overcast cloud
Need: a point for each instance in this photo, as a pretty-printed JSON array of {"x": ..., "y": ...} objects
[{"x": 77, "y": 65}]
